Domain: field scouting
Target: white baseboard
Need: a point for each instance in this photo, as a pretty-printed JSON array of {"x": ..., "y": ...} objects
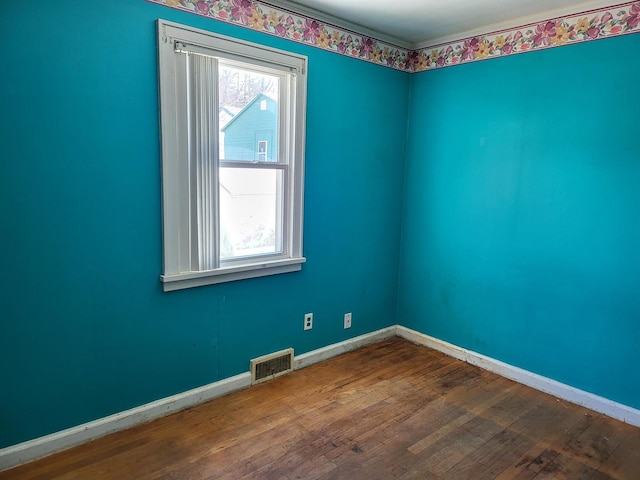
[
  {"x": 41, "y": 447},
  {"x": 336, "y": 349},
  {"x": 580, "y": 397}
]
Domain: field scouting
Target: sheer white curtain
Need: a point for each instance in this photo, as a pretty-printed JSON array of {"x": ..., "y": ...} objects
[{"x": 203, "y": 160}]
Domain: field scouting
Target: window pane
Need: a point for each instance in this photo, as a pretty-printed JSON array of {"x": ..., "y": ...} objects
[
  {"x": 250, "y": 212},
  {"x": 248, "y": 115}
]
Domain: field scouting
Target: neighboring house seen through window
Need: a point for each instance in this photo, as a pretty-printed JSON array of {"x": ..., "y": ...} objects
[{"x": 233, "y": 120}]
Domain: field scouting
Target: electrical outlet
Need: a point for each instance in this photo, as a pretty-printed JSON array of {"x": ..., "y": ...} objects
[
  {"x": 347, "y": 320},
  {"x": 308, "y": 321}
]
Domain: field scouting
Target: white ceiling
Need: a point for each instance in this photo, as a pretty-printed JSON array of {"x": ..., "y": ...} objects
[{"x": 420, "y": 23}]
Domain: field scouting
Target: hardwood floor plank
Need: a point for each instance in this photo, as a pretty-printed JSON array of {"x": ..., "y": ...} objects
[
  {"x": 479, "y": 402},
  {"x": 492, "y": 458},
  {"x": 565, "y": 468},
  {"x": 529, "y": 464},
  {"x": 457, "y": 444},
  {"x": 624, "y": 461}
]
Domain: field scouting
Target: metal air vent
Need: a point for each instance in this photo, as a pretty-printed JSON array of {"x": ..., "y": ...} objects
[{"x": 271, "y": 366}]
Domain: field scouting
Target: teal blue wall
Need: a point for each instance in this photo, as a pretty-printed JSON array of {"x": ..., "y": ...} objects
[
  {"x": 521, "y": 228},
  {"x": 85, "y": 328}
]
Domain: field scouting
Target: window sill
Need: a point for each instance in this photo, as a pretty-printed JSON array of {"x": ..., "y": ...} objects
[{"x": 180, "y": 281}]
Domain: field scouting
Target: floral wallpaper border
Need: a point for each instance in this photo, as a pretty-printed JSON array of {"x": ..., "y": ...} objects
[
  {"x": 595, "y": 24},
  {"x": 583, "y": 27},
  {"x": 293, "y": 26}
]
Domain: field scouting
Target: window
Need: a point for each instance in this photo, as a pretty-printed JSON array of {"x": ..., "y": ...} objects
[
  {"x": 232, "y": 124},
  {"x": 262, "y": 150}
]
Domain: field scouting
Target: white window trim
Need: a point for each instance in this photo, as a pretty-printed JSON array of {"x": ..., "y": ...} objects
[{"x": 175, "y": 190}]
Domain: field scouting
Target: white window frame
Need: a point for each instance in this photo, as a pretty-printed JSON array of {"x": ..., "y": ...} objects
[{"x": 178, "y": 215}]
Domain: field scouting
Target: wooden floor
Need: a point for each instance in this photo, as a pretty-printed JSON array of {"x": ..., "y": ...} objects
[{"x": 390, "y": 410}]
